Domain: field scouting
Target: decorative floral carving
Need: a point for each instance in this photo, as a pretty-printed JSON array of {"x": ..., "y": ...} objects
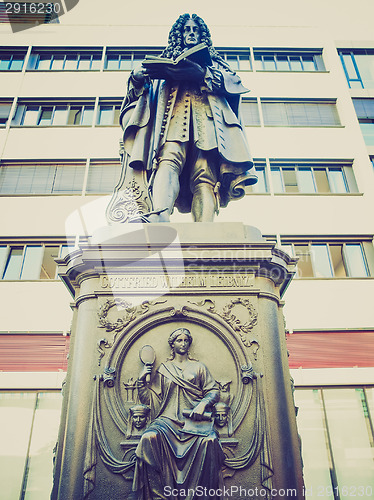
[
  {"x": 243, "y": 328},
  {"x": 130, "y": 313},
  {"x": 131, "y": 202}
]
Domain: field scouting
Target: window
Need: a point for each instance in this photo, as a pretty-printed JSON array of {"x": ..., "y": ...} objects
[
  {"x": 109, "y": 112},
  {"x": 337, "y": 438},
  {"x": 26, "y": 453},
  {"x": 288, "y": 60},
  {"x": 29, "y": 262},
  {"x": 12, "y": 60},
  {"x": 365, "y": 114},
  {"x": 41, "y": 178},
  {"x": 48, "y": 115},
  {"x": 117, "y": 59},
  {"x": 65, "y": 60},
  {"x": 103, "y": 176},
  {"x": 294, "y": 113},
  {"x": 261, "y": 185},
  {"x": 358, "y": 67},
  {"x": 250, "y": 113},
  {"x": 313, "y": 178},
  {"x": 238, "y": 60},
  {"x": 335, "y": 259},
  {"x": 5, "y": 107}
]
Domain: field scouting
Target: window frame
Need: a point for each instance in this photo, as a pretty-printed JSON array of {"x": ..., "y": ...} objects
[
  {"x": 274, "y": 53},
  {"x": 351, "y": 53},
  {"x": 123, "y": 51},
  {"x": 7, "y": 255},
  {"x": 95, "y": 53},
  {"x": 13, "y": 52},
  {"x": 115, "y": 104},
  {"x": 286, "y": 113},
  {"x": 349, "y": 181},
  {"x": 19, "y": 116},
  {"x": 56, "y": 169},
  {"x": 291, "y": 242}
]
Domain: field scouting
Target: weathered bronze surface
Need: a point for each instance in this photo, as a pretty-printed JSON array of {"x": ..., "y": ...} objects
[
  {"x": 172, "y": 452},
  {"x": 127, "y": 430},
  {"x": 183, "y": 142}
]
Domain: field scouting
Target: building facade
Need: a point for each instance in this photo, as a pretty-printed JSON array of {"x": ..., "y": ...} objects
[{"x": 310, "y": 123}]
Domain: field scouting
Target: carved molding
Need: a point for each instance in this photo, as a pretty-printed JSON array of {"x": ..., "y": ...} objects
[
  {"x": 131, "y": 202},
  {"x": 244, "y": 329},
  {"x": 130, "y": 314}
]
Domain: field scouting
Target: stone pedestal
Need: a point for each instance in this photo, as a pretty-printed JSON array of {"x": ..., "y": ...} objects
[{"x": 132, "y": 286}]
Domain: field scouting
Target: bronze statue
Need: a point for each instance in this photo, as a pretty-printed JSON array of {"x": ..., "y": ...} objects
[
  {"x": 171, "y": 455},
  {"x": 182, "y": 125}
]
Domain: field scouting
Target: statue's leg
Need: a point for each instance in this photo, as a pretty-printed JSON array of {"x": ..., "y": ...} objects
[
  {"x": 165, "y": 188},
  {"x": 203, "y": 180}
]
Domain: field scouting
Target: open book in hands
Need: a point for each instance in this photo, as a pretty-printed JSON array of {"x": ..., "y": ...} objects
[{"x": 198, "y": 54}]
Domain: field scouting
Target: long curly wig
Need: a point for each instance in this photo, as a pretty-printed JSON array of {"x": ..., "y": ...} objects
[{"x": 175, "y": 42}]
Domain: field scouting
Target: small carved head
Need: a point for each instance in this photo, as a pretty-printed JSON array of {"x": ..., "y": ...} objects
[
  {"x": 139, "y": 415},
  {"x": 221, "y": 414}
]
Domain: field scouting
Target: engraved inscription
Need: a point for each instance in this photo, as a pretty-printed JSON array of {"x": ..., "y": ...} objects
[{"x": 177, "y": 281}]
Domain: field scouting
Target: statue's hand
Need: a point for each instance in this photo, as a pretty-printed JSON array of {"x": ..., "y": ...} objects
[
  {"x": 186, "y": 70},
  {"x": 198, "y": 411},
  {"x": 140, "y": 74},
  {"x": 147, "y": 370}
]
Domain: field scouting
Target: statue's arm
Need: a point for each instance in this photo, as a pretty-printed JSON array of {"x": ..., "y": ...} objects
[{"x": 210, "y": 393}]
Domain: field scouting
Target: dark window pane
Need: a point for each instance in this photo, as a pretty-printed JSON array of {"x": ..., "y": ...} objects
[
  {"x": 250, "y": 113},
  {"x": 258, "y": 62},
  {"x": 355, "y": 260},
  {"x": 112, "y": 62},
  {"x": 48, "y": 265},
  {"x": 322, "y": 182},
  {"x": 4, "y": 62},
  {"x": 276, "y": 177},
  {"x": 96, "y": 61},
  {"x": 306, "y": 181},
  {"x": 68, "y": 179},
  {"x": 58, "y": 62},
  {"x": 30, "y": 117},
  {"x": 233, "y": 62},
  {"x": 14, "y": 264},
  {"x": 308, "y": 63},
  {"x": 71, "y": 62},
  {"x": 17, "y": 63},
  {"x": 32, "y": 262},
  {"x": 105, "y": 115},
  {"x": 102, "y": 178},
  {"x": 75, "y": 115},
  {"x": 290, "y": 181},
  {"x": 84, "y": 63},
  {"x": 337, "y": 181},
  {"x": 338, "y": 261},
  {"x": 321, "y": 261},
  {"x": 60, "y": 115},
  {"x": 304, "y": 265},
  {"x": 44, "y": 62},
  {"x": 125, "y": 63},
  {"x": 295, "y": 63},
  {"x": 45, "y": 115},
  {"x": 269, "y": 63},
  {"x": 88, "y": 113},
  {"x": 282, "y": 63}
]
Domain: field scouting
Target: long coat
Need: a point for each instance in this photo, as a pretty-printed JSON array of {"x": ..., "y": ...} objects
[{"x": 206, "y": 115}]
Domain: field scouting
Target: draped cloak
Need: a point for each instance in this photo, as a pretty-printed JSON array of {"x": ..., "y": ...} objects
[
  {"x": 205, "y": 115},
  {"x": 182, "y": 461}
]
